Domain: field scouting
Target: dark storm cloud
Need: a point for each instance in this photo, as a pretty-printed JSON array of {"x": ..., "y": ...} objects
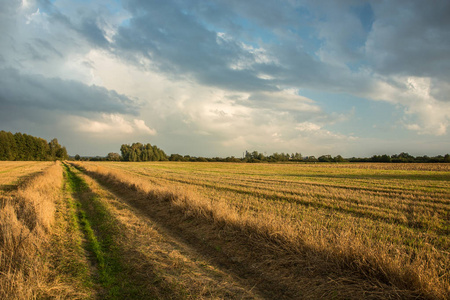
[
  {"x": 45, "y": 46},
  {"x": 23, "y": 90},
  {"x": 92, "y": 32},
  {"x": 410, "y": 38},
  {"x": 83, "y": 21},
  {"x": 402, "y": 37},
  {"x": 177, "y": 42},
  {"x": 228, "y": 15},
  {"x": 204, "y": 40}
]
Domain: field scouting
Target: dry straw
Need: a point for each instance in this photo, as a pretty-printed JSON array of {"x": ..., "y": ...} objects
[
  {"x": 306, "y": 244},
  {"x": 26, "y": 218}
]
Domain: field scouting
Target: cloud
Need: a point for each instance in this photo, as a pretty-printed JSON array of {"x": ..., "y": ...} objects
[
  {"x": 184, "y": 41},
  {"x": 286, "y": 100},
  {"x": 178, "y": 44},
  {"x": 423, "y": 112},
  {"x": 64, "y": 95},
  {"x": 109, "y": 123},
  {"x": 307, "y": 127},
  {"x": 410, "y": 38},
  {"x": 140, "y": 125}
]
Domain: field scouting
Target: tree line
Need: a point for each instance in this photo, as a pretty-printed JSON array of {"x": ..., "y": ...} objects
[
  {"x": 141, "y": 152},
  {"x": 257, "y": 157},
  {"x": 146, "y": 152},
  {"x": 20, "y": 146}
]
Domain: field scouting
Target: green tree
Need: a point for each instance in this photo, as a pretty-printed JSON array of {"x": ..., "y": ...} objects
[
  {"x": 20, "y": 146},
  {"x": 136, "y": 149},
  {"x": 325, "y": 158},
  {"x": 156, "y": 153},
  {"x": 53, "y": 147},
  {"x": 112, "y": 156},
  {"x": 41, "y": 149},
  {"x": 61, "y": 153},
  {"x": 311, "y": 159},
  {"x": 150, "y": 153},
  {"x": 126, "y": 152},
  {"x": 339, "y": 158},
  {"x": 8, "y": 147},
  {"x": 296, "y": 156},
  {"x": 447, "y": 158}
]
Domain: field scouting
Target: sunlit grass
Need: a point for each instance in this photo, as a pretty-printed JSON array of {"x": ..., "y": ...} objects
[
  {"x": 388, "y": 220},
  {"x": 27, "y": 216},
  {"x": 12, "y": 173}
]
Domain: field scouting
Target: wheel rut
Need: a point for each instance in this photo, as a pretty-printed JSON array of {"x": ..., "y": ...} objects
[{"x": 160, "y": 261}]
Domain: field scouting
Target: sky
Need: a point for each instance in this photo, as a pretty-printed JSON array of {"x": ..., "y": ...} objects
[{"x": 216, "y": 78}]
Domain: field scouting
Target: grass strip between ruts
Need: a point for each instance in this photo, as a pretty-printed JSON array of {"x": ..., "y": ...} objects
[{"x": 101, "y": 232}]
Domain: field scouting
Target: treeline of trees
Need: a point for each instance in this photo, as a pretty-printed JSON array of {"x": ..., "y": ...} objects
[
  {"x": 178, "y": 157},
  {"x": 20, "y": 146},
  {"x": 141, "y": 152},
  {"x": 404, "y": 158},
  {"x": 133, "y": 152},
  {"x": 255, "y": 157},
  {"x": 252, "y": 157}
]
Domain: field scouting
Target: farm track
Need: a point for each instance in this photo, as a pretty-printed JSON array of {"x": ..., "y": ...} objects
[
  {"x": 146, "y": 274},
  {"x": 243, "y": 256}
]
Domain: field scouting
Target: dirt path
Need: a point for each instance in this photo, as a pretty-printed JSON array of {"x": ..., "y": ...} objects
[
  {"x": 136, "y": 258},
  {"x": 174, "y": 254}
]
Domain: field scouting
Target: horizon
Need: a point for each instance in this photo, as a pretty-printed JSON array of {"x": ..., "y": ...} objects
[
  {"x": 214, "y": 79},
  {"x": 265, "y": 154}
]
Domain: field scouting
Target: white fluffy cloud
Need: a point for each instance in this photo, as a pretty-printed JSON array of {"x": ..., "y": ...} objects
[
  {"x": 423, "y": 112},
  {"x": 111, "y": 124},
  {"x": 141, "y": 126}
]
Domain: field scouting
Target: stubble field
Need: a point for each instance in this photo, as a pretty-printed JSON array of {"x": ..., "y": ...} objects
[{"x": 223, "y": 230}]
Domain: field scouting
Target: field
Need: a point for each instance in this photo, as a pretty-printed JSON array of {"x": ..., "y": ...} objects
[
  {"x": 220, "y": 230},
  {"x": 11, "y": 173},
  {"x": 29, "y": 193}
]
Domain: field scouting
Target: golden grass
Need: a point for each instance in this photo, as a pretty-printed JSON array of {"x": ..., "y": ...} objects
[
  {"x": 12, "y": 173},
  {"x": 388, "y": 223},
  {"x": 167, "y": 268},
  {"x": 27, "y": 216}
]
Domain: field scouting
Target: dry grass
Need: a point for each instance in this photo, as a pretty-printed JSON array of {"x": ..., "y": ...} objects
[
  {"x": 13, "y": 173},
  {"x": 388, "y": 223},
  {"x": 27, "y": 216},
  {"x": 162, "y": 265}
]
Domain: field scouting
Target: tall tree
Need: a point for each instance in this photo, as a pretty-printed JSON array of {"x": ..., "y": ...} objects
[{"x": 20, "y": 146}]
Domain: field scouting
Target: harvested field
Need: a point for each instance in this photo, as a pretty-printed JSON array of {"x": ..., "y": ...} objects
[
  {"x": 360, "y": 230},
  {"x": 166, "y": 230},
  {"x": 12, "y": 173},
  {"x": 30, "y": 191}
]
